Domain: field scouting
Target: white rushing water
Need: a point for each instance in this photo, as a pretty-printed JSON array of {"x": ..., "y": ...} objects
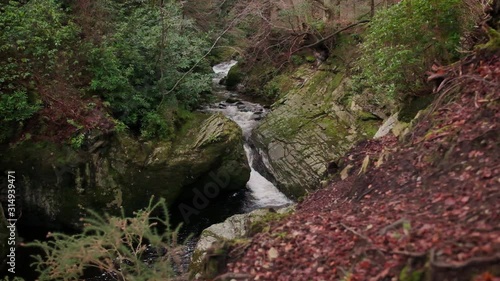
[{"x": 247, "y": 116}]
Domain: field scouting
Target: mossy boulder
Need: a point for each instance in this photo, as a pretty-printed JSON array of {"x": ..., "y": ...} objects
[
  {"x": 309, "y": 127},
  {"x": 57, "y": 183},
  {"x": 233, "y": 230},
  {"x": 234, "y": 77}
]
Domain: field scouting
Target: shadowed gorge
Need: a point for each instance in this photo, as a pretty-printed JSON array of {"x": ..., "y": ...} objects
[{"x": 250, "y": 140}]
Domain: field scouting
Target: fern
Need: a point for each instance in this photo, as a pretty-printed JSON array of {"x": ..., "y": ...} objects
[{"x": 117, "y": 246}]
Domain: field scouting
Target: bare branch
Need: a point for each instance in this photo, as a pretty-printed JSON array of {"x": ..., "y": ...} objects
[{"x": 330, "y": 36}]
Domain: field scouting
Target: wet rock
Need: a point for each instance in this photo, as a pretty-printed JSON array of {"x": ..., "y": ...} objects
[
  {"x": 58, "y": 183},
  {"x": 222, "y": 81},
  {"x": 222, "y": 105},
  {"x": 307, "y": 130},
  {"x": 243, "y": 108},
  {"x": 257, "y": 117},
  {"x": 235, "y": 227},
  {"x": 387, "y": 126},
  {"x": 232, "y": 100}
]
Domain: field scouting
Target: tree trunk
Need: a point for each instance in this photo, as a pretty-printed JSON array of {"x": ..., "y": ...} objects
[
  {"x": 338, "y": 9},
  {"x": 372, "y": 8},
  {"x": 353, "y": 9}
]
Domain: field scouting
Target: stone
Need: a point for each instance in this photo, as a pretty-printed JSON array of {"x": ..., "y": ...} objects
[
  {"x": 232, "y": 100},
  {"x": 308, "y": 129},
  {"x": 57, "y": 182},
  {"x": 387, "y": 126},
  {"x": 234, "y": 227}
]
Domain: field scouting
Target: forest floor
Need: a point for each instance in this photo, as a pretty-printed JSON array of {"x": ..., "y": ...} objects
[{"x": 427, "y": 206}]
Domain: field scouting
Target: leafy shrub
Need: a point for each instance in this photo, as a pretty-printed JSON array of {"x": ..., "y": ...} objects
[
  {"x": 123, "y": 247},
  {"x": 134, "y": 72},
  {"x": 16, "y": 107},
  {"x": 155, "y": 126},
  {"x": 32, "y": 38},
  {"x": 403, "y": 41}
]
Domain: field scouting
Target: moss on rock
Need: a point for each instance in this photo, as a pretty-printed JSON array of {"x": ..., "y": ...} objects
[
  {"x": 57, "y": 182},
  {"x": 308, "y": 128},
  {"x": 234, "y": 77}
]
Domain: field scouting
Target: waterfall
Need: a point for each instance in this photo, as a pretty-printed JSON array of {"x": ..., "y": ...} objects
[{"x": 247, "y": 115}]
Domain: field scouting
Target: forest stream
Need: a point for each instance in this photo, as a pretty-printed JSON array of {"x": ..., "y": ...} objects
[{"x": 260, "y": 192}]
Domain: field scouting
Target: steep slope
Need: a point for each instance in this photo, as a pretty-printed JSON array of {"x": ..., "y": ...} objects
[
  {"x": 421, "y": 208},
  {"x": 309, "y": 126}
]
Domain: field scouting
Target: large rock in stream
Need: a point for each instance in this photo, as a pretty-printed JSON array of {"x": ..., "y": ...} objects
[
  {"x": 234, "y": 229},
  {"x": 56, "y": 183},
  {"x": 309, "y": 128}
]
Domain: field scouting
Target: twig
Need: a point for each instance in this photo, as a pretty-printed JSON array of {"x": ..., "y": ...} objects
[
  {"x": 231, "y": 24},
  {"x": 393, "y": 225},
  {"x": 356, "y": 233},
  {"x": 234, "y": 276},
  {"x": 368, "y": 191},
  {"x": 470, "y": 262},
  {"x": 330, "y": 36},
  {"x": 410, "y": 254}
]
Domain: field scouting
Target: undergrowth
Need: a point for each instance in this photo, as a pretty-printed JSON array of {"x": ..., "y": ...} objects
[
  {"x": 124, "y": 248},
  {"x": 404, "y": 41}
]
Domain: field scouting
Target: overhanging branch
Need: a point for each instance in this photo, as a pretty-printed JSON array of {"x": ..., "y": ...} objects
[{"x": 329, "y": 36}]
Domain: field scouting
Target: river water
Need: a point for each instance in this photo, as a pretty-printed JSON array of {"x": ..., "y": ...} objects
[
  {"x": 247, "y": 115},
  {"x": 260, "y": 192}
]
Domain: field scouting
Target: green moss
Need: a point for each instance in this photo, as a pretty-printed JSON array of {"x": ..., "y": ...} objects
[
  {"x": 234, "y": 77},
  {"x": 365, "y": 116},
  {"x": 493, "y": 44},
  {"x": 58, "y": 181},
  {"x": 278, "y": 86},
  {"x": 310, "y": 58},
  {"x": 369, "y": 127},
  {"x": 257, "y": 77},
  {"x": 262, "y": 223},
  {"x": 408, "y": 275}
]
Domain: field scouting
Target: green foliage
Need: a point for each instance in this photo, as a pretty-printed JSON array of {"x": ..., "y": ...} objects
[
  {"x": 407, "y": 274},
  {"x": 155, "y": 126},
  {"x": 34, "y": 37},
  {"x": 16, "y": 107},
  {"x": 135, "y": 55},
  {"x": 403, "y": 41},
  {"x": 77, "y": 141},
  {"x": 33, "y": 40},
  {"x": 150, "y": 50},
  {"x": 116, "y": 245}
]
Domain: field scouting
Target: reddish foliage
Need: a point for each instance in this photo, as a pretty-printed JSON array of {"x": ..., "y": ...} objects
[
  {"x": 436, "y": 197},
  {"x": 66, "y": 112}
]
